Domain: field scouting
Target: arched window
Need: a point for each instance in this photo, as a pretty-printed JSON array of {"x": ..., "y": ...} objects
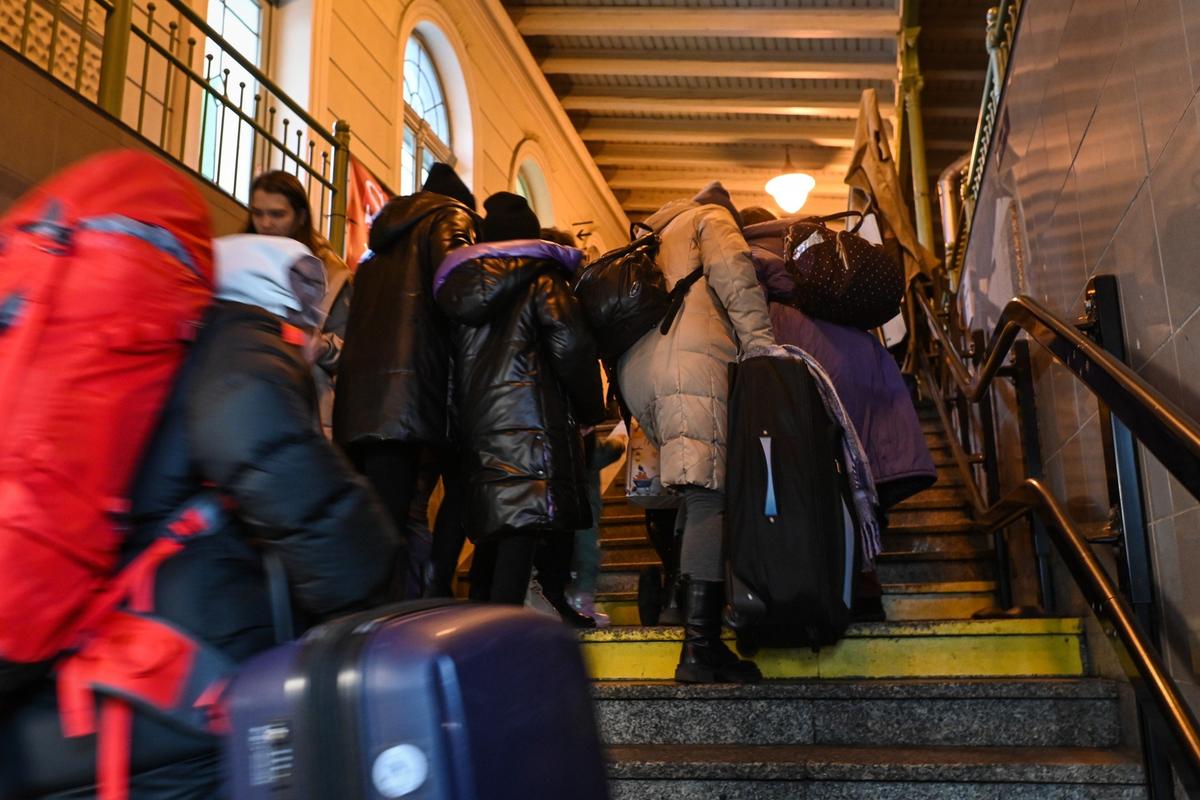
[
  {"x": 530, "y": 183},
  {"x": 426, "y": 118}
]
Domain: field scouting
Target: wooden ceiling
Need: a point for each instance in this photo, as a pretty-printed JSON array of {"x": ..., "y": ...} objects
[{"x": 670, "y": 94}]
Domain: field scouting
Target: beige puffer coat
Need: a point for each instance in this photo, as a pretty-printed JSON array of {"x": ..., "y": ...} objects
[{"x": 677, "y": 386}]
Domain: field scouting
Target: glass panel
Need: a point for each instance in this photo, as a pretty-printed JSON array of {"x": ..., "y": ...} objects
[
  {"x": 423, "y": 90},
  {"x": 427, "y": 161},
  {"x": 408, "y": 161},
  {"x": 225, "y": 156}
]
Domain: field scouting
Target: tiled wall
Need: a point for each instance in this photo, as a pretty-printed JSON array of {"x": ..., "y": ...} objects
[{"x": 1100, "y": 173}]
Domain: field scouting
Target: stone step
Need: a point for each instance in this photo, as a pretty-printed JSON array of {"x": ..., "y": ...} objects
[
  {"x": 1048, "y": 647},
  {"x": 934, "y": 601},
  {"x": 709, "y": 772},
  {"x": 936, "y": 497},
  {"x": 935, "y": 540},
  {"x": 904, "y": 713},
  {"x": 936, "y": 566},
  {"x": 901, "y": 601},
  {"x": 926, "y": 519}
]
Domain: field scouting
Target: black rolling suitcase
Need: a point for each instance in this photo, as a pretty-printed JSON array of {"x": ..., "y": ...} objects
[
  {"x": 791, "y": 536},
  {"x": 425, "y": 700}
]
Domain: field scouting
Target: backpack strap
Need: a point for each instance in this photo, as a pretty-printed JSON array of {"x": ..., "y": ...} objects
[
  {"x": 677, "y": 296},
  {"x": 128, "y": 659}
]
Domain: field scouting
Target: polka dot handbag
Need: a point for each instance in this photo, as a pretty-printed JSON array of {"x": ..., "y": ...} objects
[{"x": 840, "y": 276}]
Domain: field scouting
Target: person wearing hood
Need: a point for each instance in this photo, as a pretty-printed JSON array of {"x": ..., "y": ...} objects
[
  {"x": 677, "y": 386},
  {"x": 393, "y": 379},
  {"x": 241, "y": 421},
  {"x": 867, "y": 380},
  {"x": 526, "y": 380}
]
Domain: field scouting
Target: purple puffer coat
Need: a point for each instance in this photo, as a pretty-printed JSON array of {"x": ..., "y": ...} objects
[{"x": 863, "y": 372}]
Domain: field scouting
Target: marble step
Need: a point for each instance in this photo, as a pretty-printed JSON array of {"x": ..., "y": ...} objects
[
  {"x": 904, "y": 713},
  {"x": 927, "y": 519},
  {"x": 1047, "y": 647},
  {"x": 936, "y": 566},
  {"x": 804, "y": 772},
  {"x": 934, "y": 498},
  {"x": 929, "y": 541},
  {"x": 901, "y": 601},
  {"x": 939, "y": 600}
]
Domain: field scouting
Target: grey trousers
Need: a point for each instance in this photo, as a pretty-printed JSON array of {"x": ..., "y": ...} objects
[{"x": 702, "y": 520}]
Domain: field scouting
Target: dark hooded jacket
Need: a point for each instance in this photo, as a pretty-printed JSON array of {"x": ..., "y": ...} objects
[
  {"x": 526, "y": 378},
  {"x": 395, "y": 364}
]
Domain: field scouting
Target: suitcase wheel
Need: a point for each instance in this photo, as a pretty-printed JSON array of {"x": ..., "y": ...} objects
[{"x": 650, "y": 595}]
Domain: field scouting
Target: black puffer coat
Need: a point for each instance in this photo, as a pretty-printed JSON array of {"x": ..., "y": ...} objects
[
  {"x": 243, "y": 418},
  {"x": 392, "y": 379},
  {"x": 525, "y": 378}
]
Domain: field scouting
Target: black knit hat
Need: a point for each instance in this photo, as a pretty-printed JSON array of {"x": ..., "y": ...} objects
[
  {"x": 509, "y": 217},
  {"x": 444, "y": 180}
]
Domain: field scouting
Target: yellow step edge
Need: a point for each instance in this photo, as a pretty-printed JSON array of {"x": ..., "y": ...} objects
[{"x": 944, "y": 648}]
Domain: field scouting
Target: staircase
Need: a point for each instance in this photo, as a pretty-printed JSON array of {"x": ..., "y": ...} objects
[{"x": 930, "y": 704}]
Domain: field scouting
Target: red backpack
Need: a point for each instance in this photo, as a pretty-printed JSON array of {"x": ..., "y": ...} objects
[{"x": 105, "y": 272}]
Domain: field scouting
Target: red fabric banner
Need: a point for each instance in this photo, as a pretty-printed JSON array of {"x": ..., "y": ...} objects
[{"x": 365, "y": 198}]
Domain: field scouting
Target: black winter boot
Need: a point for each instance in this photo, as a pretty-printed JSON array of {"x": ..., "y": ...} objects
[{"x": 705, "y": 658}]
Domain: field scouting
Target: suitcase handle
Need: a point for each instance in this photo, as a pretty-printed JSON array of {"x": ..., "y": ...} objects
[{"x": 770, "y": 507}]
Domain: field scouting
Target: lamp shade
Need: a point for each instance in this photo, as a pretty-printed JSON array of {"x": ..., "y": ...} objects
[{"x": 791, "y": 189}]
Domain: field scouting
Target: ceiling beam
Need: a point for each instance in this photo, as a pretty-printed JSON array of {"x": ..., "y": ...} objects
[
  {"x": 718, "y": 65},
  {"x": 793, "y": 23},
  {"x": 640, "y": 203},
  {"x": 796, "y": 105},
  {"x": 714, "y": 156},
  {"x": 826, "y": 133},
  {"x": 828, "y": 181},
  {"x": 819, "y": 133}
]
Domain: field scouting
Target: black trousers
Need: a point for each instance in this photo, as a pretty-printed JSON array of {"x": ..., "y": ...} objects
[
  {"x": 393, "y": 469},
  {"x": 500, "y": 568}
]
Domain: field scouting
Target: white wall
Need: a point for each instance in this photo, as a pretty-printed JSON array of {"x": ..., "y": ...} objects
[{"x": 506, "y": 104}]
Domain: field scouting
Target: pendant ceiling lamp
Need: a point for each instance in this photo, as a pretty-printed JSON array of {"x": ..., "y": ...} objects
[{"x": 790, "y": 188}]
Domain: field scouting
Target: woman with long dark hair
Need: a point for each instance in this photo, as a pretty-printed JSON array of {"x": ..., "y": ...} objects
[{"x": 279, "y": 207}]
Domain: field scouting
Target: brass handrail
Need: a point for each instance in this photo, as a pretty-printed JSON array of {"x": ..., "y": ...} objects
[
  {"x": 1163, "y": 427},
  {"x": 1157, "y": 685},
  {"x": 1168, "y": 432}
]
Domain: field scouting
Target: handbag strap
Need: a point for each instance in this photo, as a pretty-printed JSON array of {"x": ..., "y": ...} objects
[
  {"x": 839, "y": 215},
  {"x": 677, "y": 294}
]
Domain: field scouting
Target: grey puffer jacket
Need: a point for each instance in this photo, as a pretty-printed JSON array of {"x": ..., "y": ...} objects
[{"x": 677, "y": 386}]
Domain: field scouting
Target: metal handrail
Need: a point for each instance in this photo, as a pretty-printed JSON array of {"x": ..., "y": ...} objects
[
  {"x": 1157, "y": 685},
  {"x": 1167, "y": 431},
  {"x": 1163, "y": 427}
]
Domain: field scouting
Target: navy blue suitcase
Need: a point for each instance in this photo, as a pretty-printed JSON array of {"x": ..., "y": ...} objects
[{"x": 429, "y": 700}]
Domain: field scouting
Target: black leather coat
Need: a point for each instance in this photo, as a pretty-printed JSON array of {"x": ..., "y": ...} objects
[
  {"x": 395, "y": 365},
  {"x": 525, "y": 379},
  {"x": 243, "y": 419}
]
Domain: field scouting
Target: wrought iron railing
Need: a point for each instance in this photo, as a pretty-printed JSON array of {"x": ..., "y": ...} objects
[{"x": 163, "y": 71}]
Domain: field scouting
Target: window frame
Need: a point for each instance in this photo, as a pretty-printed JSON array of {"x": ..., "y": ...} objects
[{"x": 427, "y": 144}]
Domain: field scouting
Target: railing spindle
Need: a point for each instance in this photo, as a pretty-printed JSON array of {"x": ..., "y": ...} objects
[
  {"x": 221, "y": 129},
  {"x": 83, "y": 37},
  {"x": 205, "y": 100},
  {"x": 54, "y": 36},
  {"x": 187, "y": 104},
  {"x": 28, "y": 20},
  {"x": 145, "y": 65},
  {"x": 237, "y": 149},
  {"x": 173, "y": 46}
]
